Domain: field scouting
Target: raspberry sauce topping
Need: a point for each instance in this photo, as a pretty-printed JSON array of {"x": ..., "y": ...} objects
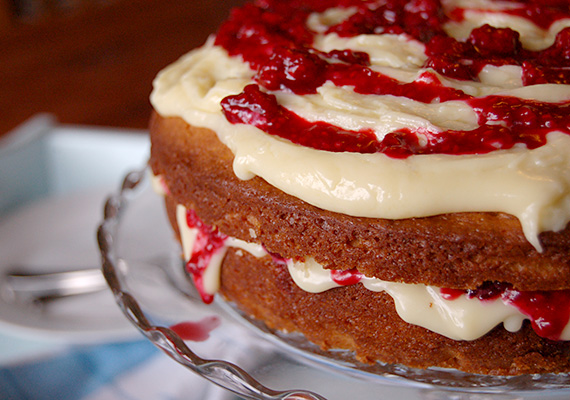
[
  {"x": 506, "y": 121},
  {"x": 208, "y": 241},
  {"x": 274, "y": 39},
  {"x": 261, "y": 110},
  {"x": 548, "y": 311}
]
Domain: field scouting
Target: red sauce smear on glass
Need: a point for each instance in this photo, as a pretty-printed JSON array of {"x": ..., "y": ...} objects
[
  {"x": 196, "y": 331},
  {"x": 548, "y": 311},
  {"x": 208, "y": 241},
  {"x": 273, "y": 38}
]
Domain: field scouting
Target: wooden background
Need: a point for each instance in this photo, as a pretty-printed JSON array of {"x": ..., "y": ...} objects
[{"x": 92, "y": 62}]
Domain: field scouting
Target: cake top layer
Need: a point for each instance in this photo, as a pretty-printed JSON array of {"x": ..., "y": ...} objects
[{"x": 391, "y": 109}]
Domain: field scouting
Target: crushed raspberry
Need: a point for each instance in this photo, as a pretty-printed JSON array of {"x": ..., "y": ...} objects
[
  {"x": 548, "y": 311},
  {"x": 296, "y": 70},
  {"x": 421, "y": 19},
  {"x": 491, "y": 42},
  {"x": 488, "y": 45},
  {"x": 489, "y": 290}
]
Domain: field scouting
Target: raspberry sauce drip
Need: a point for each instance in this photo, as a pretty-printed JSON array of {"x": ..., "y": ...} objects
[
  {"x": 347, "y": 277},
  {"x": 273, "y": 38},
  {"x": 451, "y": 294},
  {"x": 548, "y": 311},
  {"x": 208, "y": 241}
]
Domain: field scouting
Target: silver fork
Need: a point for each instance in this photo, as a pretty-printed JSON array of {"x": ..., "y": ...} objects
[
  {"x": 19, "y": 287},
  {"x": 29, "y": 287}
]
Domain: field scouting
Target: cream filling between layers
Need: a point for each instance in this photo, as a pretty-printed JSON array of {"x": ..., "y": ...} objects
[
  {"x": 532, "y": 185},
  {"x": 422, "y": 305},
  {"x": 211, "y": 275}
]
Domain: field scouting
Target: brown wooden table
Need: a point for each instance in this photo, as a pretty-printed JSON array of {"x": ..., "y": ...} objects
[{"x": 94, "y": 65}]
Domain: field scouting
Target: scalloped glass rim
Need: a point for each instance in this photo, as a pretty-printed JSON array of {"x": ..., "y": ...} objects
[{"x": 235, "y": 379}]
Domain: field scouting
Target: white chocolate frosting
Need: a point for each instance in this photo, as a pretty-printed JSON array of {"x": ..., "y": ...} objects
[{"x": 532, "y": 185}]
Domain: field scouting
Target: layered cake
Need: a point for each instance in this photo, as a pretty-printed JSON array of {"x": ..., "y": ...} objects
[{"x": 387, "y": 177}]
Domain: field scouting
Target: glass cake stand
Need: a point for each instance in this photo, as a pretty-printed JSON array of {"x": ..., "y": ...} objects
[{"x": 141, "y": 263}]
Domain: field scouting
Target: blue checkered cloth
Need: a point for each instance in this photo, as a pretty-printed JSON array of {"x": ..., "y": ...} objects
[
  {"x": 75, "y": 374},
  {"x": 118, "y": 371}
]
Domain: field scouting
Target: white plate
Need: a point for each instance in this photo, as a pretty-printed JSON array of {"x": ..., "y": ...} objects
[
  {"x": 53, "y": 181},
  {"x": 59, "y": 233}
]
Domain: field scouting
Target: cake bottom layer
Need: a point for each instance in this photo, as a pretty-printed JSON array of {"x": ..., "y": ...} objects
[
  {"x": 357, "y": 319},
  {"x": 366, "y": 322}
]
